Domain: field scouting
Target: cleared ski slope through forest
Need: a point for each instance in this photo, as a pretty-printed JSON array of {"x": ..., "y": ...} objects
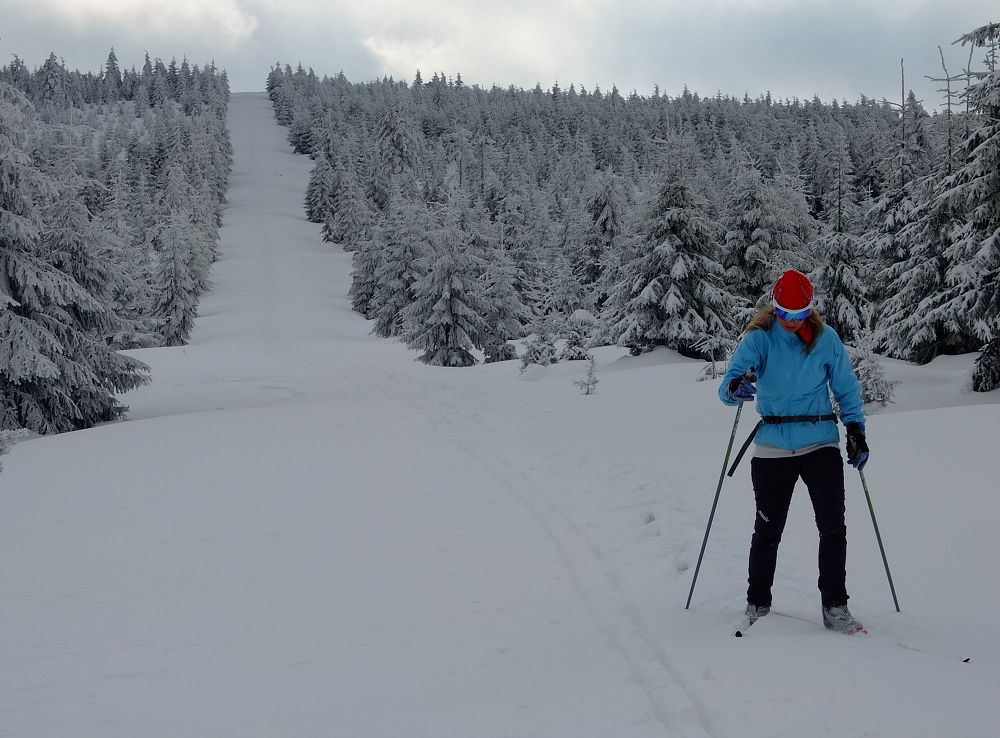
[{"x": 302, "y": 531}]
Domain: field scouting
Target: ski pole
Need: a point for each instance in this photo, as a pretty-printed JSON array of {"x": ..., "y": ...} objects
[
  {"x": 722, "y": 476},
  {"x": 878, "y": 537}
]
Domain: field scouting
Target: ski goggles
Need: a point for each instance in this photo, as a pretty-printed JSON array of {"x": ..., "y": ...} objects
[{"x": 792, "y": 315}]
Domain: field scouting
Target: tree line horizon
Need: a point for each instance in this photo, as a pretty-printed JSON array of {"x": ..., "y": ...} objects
[{"x": 666, "y": 218}]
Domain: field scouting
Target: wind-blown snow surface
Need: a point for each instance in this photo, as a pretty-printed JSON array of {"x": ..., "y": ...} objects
[{"x": 301, "y": 531}]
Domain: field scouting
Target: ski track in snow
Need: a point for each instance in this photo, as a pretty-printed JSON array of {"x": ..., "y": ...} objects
[{"x": 676, "y": 708}]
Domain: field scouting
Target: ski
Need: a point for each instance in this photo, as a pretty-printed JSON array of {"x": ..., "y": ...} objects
[
  {"x": 747, "y": 623},
  {"x": 750, "y": 616},
  {"x": 860, "y": 630}
]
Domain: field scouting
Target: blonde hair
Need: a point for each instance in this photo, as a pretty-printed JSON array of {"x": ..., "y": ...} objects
[{"x": 764, "y": 320}]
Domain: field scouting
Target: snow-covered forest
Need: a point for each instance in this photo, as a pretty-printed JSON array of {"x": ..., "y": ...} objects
[
  {"x": 111, "y": 192},
  {"x": 482, "y": 215}
]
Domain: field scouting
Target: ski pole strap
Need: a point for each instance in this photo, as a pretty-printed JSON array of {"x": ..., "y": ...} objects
[
  {"x": 744, "y": 447},
  {"x": 775, "y": 420}
]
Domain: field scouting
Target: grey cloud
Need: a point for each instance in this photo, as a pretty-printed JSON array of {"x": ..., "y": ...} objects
[
  {"x": 813, "y": 49},
  {"x": 817, "y": 51}
]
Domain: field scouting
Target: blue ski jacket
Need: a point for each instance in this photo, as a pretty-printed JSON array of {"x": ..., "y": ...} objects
[{"x": 791, "y": 382}]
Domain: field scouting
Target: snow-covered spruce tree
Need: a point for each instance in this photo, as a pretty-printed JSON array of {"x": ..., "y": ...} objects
[
  {"x": 403, "y": 247},
  {"x": 761, "y": 237},
  {"x": 283, "y": 96},
  {"x": 366, "y": 261},
  {"x": 438, "y": 183},
  {"x": 203, "y": 219},
  {"x": 884, "y": 221},
  {"x": 898, "y": 191},
  {"x": 790, "y": 193},
  {"x": 72, "y": 241},
  {"x": 986, "y": 373},
  {"x": 174, "y": 282},
  {"x": 917, "y": 155},
  {"x": 814, "y": 169},
  {"x": 682, "y": 155},
  {"x": 607, "y": 208},
  {"x": 327, "y": 134},
  {"x": 572, "y": 173},
  {"x": 563, "y": 292},
  {"x": 867, "y": 365},
  {"x": 540, "y": 348},
  {"x": 184, "y": 257},
  {"x": 914, "y": 320},
  {"x": 519, "y": 219},
  {"x": 446, "y": 321},
  {"x": 349, "y": 221},
  {"x": 840, "y": 278},
  {"x": 975, "y": 190},
  {"x": 671, "y": 293},
  {"x": 220, "y": 164},
  {"x": 57, "y": 371},
  {"x": 7, "y": 439},
  {"x": 399, "y": 142},
  {"x": 480, "y": 173},
  {"x": 301, "y": 128},
  {"x": 321, "y": 190},
  {"x": 131, "y": 298},
  {"x": 507, "y": 315},
  {"x": 575, "y": 331},
  {"x": 588, "y": 385},
  {"x": 717, "y": 349},
  {"x": 52, "y": 90},
  {"x": 111, "y": 82},
  {"x": 871, "y": 156},
  {"x": 911, "y": 154},
  {"x": 81, "y": 248}
]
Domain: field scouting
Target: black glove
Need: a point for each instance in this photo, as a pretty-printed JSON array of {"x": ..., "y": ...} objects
[{"x": 857, "y": 446}]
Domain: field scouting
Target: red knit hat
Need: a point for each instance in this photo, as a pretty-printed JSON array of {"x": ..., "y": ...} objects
[{"x": 793, "y": 291}]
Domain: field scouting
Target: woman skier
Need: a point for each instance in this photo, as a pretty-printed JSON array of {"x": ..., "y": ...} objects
[{"x": 791, "y": 361}]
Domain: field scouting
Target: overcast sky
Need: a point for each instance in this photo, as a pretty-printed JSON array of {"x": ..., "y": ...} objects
[{"x": 832, "y": 48}]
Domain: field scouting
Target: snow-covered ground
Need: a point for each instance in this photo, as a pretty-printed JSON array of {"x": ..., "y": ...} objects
[{"x": 301, "y": 531}]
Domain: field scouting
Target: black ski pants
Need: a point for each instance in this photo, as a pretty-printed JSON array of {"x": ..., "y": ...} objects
[{"x": 773, "y": 482}]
